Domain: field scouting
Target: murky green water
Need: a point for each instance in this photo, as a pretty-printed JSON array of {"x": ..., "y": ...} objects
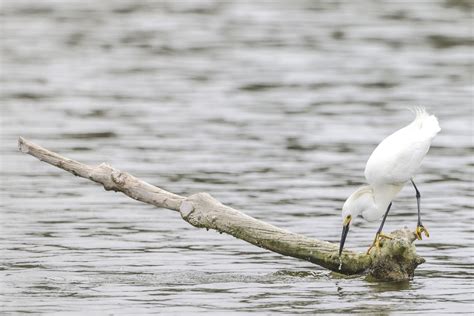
[{"x": 272, "y": 107}]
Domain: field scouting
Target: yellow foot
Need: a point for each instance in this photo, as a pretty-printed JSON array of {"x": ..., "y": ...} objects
[
  {"x": 376, "y": 242},
  {"x": 419, "y": 230}
]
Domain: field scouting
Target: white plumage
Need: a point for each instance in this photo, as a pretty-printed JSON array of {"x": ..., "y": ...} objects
[
  {"x": 398, "y": 157},
  {"x": 394, "y": 162}
]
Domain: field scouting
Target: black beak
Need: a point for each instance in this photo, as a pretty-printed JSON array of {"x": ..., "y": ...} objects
[{"x": 345, "y": 230}]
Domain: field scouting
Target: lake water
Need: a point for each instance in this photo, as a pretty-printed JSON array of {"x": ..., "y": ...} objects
[{"x": 272, "y": 107}]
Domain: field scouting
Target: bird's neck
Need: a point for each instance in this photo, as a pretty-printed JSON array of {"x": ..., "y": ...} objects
[{"x": 384, "y": 194}]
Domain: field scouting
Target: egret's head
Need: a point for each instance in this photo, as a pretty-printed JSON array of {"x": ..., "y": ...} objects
[{"x": 358, "y": 202}]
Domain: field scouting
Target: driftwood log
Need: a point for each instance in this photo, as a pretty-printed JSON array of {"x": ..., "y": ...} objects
[{"x": 395, "y": 261}]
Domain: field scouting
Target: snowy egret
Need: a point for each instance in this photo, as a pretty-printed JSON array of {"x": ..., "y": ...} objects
[{"x": 393, "y": 163}]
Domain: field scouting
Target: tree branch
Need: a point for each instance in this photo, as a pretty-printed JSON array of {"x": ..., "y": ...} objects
[{"x": 396, "y": 260}]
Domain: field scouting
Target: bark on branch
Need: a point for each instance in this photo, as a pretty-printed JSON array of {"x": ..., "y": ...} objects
[{"x": 396, "y": 260}]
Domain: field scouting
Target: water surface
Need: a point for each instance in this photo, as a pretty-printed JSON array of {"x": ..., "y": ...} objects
[{"x": 272, "y": 107}]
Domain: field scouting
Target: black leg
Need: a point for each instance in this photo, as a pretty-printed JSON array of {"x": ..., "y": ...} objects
[
  {"x": 418, "y": 196},
  {"x": 379, "y": 232},
  {"x": 419, "y": 227},
  {"x": 384, "y": 218}
]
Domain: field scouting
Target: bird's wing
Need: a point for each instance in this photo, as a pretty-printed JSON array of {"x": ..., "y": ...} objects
[{"x": 398, "y": 157}]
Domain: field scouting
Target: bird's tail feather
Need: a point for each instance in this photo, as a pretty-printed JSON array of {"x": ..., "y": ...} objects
[{"x": 428, "y": 123}]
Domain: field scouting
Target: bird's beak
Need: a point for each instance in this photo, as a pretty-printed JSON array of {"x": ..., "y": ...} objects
[{"x": 345, "y": 230}]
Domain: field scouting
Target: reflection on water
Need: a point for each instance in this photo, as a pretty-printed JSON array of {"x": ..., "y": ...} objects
[{"x": 272, "y": 107}]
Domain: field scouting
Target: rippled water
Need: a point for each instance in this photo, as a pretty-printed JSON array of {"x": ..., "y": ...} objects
[{"x": 272, "y": 107}]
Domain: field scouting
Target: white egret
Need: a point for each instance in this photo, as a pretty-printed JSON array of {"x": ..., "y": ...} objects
[{"x": 393, "y": 163}]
